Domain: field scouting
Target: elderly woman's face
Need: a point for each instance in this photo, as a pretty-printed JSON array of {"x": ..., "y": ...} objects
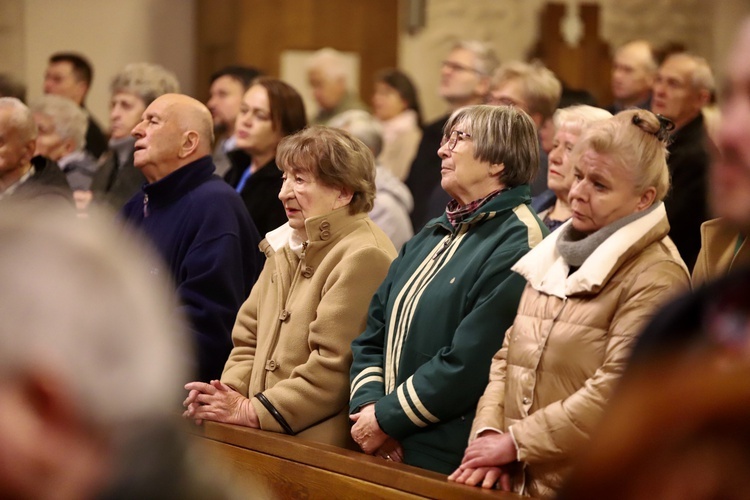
[
  {"x": 125, "y": 112},
  {"x": 560, "y": 175},
  {"x": 304, "y": 196},
  {"x": 464, "y": 177},
  {"x": 603, "y": 191},
  {"x": 254, "y": 128}
]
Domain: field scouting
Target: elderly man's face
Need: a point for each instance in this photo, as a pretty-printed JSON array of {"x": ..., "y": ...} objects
[
  {"x": 60, "y": 79},
  {"x": 674, "y": 94},
  {"x": 730, "y": 173},
  {"x": 631, "y": 79},
  {"x": 15, "y": 150},
  {"x": 327, "y": 91},
  {"x": 48, "y": 140},
  {"x": 158, "y": 140},
  {"x": 460, "y": 80}
]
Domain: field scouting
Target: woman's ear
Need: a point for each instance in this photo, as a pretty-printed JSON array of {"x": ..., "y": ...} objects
[
  {"x": 344, "y": 198},
  {"x": 496, "y": 169},
  {"x": 647, "y": 199}
]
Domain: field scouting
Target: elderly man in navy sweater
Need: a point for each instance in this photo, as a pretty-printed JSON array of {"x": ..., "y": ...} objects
[{"x": 197, "y": 222}]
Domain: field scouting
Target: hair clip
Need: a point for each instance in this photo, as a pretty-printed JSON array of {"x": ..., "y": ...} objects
[{"x": 665, "y": 126}]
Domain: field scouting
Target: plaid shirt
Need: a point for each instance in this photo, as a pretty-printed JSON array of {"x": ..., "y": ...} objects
[{"x": 457, "y": 213}]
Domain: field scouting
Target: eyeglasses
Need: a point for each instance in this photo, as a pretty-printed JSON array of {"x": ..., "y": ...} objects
[
  {"x": 459, "y": 67},
  {"x": 452, "y": 139}
]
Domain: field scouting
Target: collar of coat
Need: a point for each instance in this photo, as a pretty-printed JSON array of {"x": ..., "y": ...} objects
[
  {"x": 505, "y": 201},
  {"x": 546, "y": 271},
  {"x": 321, "y": 230}
]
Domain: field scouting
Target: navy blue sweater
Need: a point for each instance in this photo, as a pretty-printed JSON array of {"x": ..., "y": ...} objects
[{"x": 203, "y": 232}]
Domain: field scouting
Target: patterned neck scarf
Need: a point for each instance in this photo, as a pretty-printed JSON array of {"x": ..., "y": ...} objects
[{"x": 457, "y": 213}]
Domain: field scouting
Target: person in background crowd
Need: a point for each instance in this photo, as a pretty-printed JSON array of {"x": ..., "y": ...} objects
[
  {"x": 435, "y": 322},
  {"x": 393, "y": 201},
  {"x": 133, "y": 89},
  {"x": 271, "y": 110},
  {"x": 464, "y": 80},
  {"x": 228, "y": 86},
  {"x": 288, "y": 371},
  {"x": 21, "y": 173},
  {"x": 591, "y": 285},
  {"x": 70, "y": 75},
  {"x": 569, "y": 124},
  {"x": 396, "y": 106},
  {"x": 534, "y": 89},
  {"x": 633, "y": 73},
  {"x": 328, "y": 78},
  {"x": 61, "y": 132},
  {"x": 683, "y": 86},
  {"x": 197, "y": 223}
]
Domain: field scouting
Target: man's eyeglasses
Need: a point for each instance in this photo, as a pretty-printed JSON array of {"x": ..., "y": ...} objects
[
  {"x": 459, "y": 67},
  {"x": 452, "y": 139}
]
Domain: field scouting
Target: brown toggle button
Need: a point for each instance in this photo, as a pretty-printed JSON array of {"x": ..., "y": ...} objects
[
  {"x": 307, "y": 272},
  {"x": 271, "y": 365},
  {"x": 284, "y": 315},
  {"x": 325, "y": 234},
  {"x": 325, "y": 225}
]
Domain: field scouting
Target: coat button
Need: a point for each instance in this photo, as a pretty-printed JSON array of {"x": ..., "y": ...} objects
[
  {"x": 284, "y": 315},
  {"x": 325, "y": 234},
  {"x": 526, "y": 401},
  {"x": 271, "y": 365},
  {"x": 307, "y": 272},
  {"x": 325, "y": 225}
]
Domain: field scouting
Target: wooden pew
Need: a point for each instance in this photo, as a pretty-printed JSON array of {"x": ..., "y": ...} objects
[{"x": 285, "y": 467}]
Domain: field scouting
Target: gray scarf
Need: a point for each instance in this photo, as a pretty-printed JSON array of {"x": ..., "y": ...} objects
[{"x": 575, "y": 247}]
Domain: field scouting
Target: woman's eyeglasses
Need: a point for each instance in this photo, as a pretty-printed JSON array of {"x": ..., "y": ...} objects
[{"x": 452, "y": 139}]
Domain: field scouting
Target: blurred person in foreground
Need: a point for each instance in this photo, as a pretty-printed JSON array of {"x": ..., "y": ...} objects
[
  {"x": 91, "y": 361},
  {"x": 132, "y": 90},
  {"x": 569, "y": 124},
  {"x": 591, "y": 286},
  {"x": 289, "y": 369},
  {"x": 196, "y": 222},
  {"x": 423, "y": 361},
  {"x": 61, "y": 135},
  {"x": 393, "y": 201}
]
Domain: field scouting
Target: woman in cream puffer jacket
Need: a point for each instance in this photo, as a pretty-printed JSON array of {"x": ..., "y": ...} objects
[{"x": 591, "y": 286}]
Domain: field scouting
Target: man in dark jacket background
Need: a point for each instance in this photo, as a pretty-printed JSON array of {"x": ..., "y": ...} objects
[{"x": 197, "y": 222}]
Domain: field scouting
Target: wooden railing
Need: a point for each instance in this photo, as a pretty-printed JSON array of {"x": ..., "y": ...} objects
[{"x": 271, "y": 465}]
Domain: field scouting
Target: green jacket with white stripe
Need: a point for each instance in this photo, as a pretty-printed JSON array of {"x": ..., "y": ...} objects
[{"x": 435, "y": 323}]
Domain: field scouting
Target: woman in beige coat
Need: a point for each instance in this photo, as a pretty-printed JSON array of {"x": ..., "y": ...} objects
[
  {"x": 289, "y": 369},
  {"x": 591, "y": 285}
]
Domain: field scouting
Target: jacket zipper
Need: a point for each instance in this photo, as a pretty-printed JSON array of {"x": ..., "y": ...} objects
[{"x": 145, "y": 205}]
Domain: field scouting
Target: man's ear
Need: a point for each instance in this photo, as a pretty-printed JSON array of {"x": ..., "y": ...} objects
[
  {"x": 28, "y": 151},
  {"x": 484, "y": 86},
  {"x": 190, "y": 141}
]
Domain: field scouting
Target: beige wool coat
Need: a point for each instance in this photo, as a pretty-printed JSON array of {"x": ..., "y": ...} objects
[
  {"x": 570, "y": 342},
  {"x": 292, "y": 336}
]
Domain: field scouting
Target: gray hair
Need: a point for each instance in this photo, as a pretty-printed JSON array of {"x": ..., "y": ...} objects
[
  {"x": 77, "y": 298},
  {"x": 579, "y": 116},
  {"x": 21, "y": 118},
  {"x": 145, "y": 80},
  {"x": 702, "y": 78},
  {"x": 487, "y": 61},
  {"x": 501, "y": 135},
  {"x": 361, "y": 125},
  {"x": 330, "y": 62},
  {"x": 69, "y": 119},
  {"x": 540, "y": 86}
]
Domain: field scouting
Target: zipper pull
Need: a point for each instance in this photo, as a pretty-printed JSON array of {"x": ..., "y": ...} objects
[{"x": 145, "y": 206}]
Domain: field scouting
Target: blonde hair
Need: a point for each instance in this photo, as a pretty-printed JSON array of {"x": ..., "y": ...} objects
[
  {"x": 578, "y": 117},
  {"x": 335, "y": 157},
  {"x": 630, "y": 138},
  {"x": 541, "y": 88},
  {"x": 501, "y": 135}
]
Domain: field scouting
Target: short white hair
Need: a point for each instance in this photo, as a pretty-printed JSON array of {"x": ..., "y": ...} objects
[
  {"x": 579, "y": 117},
  {"x": 361, "y": 125},
  {"x": 328, "y": 61},
  {"x": 20, "y": 116},
  {"x": 77, "y": 298},
  {"x": 487, "y": 61},
  {"x": 69, "y": 120},
  {"x": 702, "y": 78}
]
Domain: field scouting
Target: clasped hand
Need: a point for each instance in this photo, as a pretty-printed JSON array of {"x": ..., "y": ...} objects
[{"x": 220, "y": 403}]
